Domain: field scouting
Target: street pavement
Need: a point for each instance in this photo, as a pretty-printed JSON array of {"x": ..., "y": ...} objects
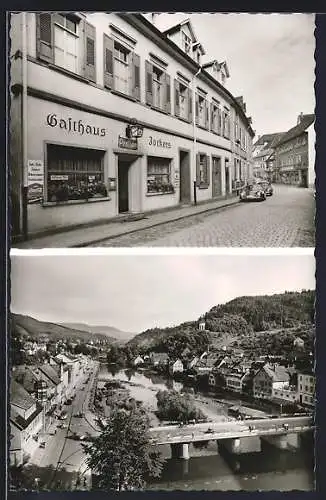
[
  {"x": 285, "y": 219},
  {"x": 63, "y": 459}
]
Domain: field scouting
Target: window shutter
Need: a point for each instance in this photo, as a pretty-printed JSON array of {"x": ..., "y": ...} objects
[
  {"x": 167, "y": 102},
  {"x": 190, "y": 113},
  {"x": 206, "y": 115},
  {"x": 135, "y": 67},
  {"x": 149, "y": 83},
  {"x": 89, "y": 52},
  {"x": 212, "y": 117},
  {"x": 197, "y": 108},
  {"x": 219, "y": 121},
  {"x": 176, "y": 98},
  {"x": 108, "y": 63},
  {"x": 44, "y": 37},
  {"x": 208, "y": 170},
  {"x": 198, "y": 169}
]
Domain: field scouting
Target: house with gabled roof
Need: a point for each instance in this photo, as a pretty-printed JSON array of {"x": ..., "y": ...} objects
[
  {"x": 26, "y": 422},
  {"x": 295, "y": 153},
  {"x": 269, "y": 378}
]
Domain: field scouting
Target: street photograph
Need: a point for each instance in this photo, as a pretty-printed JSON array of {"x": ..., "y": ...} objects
[
  {"x": 162, "y": 129},
  {"x": 161, "y": 372}
]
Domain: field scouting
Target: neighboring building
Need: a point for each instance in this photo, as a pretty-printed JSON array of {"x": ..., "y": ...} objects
[
  {"x": 298, "y": 343},
  {"x": 285, "y": 395},
  {"x": 306, "y": 388},
  {"x": 264, "y": 155},
  {"x": 26, "y": 422},
  {"x": 234, "y": 381},
  {"x": 269, "y": 378},
  {"x": 89, "y": 74},
  {"x": 295, "y": 154},
  {"x": 138, "y": 361},
  {"x": 159, "y": 358},
  {"x": 202, "y": 325},
  {"x": 176, "y": 366}
]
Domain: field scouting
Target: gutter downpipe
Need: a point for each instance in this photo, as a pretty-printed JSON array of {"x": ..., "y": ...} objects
[
  {"x": 194, "y": 130},
  {"x": 24, "y": 128}
]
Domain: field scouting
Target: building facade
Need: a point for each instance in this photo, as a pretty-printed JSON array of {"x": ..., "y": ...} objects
[
  {"x": 295, "y": 154},
  {"x": 264, "y": 156},
  {"x": 87, "y": 78},
  {"x": 268, "y": 379},
  {"x": 306, "y": 388}
]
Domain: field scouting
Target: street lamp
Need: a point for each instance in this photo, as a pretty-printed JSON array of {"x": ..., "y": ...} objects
[{"x": 194, "y": 126}]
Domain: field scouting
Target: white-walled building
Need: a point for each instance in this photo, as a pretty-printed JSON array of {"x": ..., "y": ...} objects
[
  {"x": 306, "y": 388},
  {"x": 88, "y": 76}
]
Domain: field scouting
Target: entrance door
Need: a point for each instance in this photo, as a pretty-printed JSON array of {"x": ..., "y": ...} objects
[
  {"x": 184, "y": 162},
  {"x": 216, "y": 177},
  {"x": 304, "y": 177},
  {"x": 123, "y": 185},
  {"x": 227, "y": 178}
]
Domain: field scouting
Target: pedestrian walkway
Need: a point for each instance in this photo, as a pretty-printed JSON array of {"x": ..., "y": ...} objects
[{"x": 119, "y": 227}]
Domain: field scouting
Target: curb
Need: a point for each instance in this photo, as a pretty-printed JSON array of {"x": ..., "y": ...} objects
[{"x": 155, "y": 224}]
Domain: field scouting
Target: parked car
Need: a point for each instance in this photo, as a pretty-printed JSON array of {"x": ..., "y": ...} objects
[
  {"x": 252, "y": 192},
  {"x": 42, "y": 444},
  {"x": 267, "y": 187}
]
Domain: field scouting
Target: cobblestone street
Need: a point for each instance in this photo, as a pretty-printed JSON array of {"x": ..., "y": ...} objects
[{"x": 285, "y": 219}]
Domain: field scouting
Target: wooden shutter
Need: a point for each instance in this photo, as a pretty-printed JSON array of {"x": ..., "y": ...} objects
[
  {"x": 167, "y": 101},
  {"x": 197, "y": 108},
  {"x": 108, "y": 62},
  {"x": 44, "y": 37},
  {"x": 135, "y": 68},
  {"x": 190, "y": 113},
  {"x": 206, "y": 115},
  {"x": 176, "y": 98},
  {"x": 198, "y": 169},
  {"x": 149, "y": 82},
  {"x": 208, "y": 170},
  {"x": 212, "y": 117},
  {"x": 89, "y": 52}
]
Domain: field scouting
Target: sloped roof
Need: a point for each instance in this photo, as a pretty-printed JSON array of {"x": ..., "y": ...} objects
[
  {"x": 177, "y": 27},
  {"x": 20, "y": 397},
  {"x": 51, "y": 373},
  {"x": 25, "y": 377},
  {"x": 277, "y": 372},
  {"x": 19, "y": 421},
  {"x": 159, "y": 356},
  {"x": 269, "y": 138},
  {"x": 215, "y": 61},
  {"x": 294, "y": 132}
]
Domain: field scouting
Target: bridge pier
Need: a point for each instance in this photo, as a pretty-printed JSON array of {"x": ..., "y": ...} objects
[
  {"x": 238, "y": 446},
  {"x": 180, "y": 450},
  {"x": 283, "y": 441}
]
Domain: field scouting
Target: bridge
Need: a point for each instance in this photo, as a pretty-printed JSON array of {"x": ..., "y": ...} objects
[{"x": 237, "y": 436}]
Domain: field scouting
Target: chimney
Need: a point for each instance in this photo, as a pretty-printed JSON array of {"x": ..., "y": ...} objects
[
  {"x": 154, "y": 14},
  {"x": 300, "y": 118}
]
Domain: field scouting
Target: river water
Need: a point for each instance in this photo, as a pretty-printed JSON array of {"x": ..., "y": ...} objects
[{"x": 210, "y": 469}]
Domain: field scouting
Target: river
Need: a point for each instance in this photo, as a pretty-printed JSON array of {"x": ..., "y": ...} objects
[{"x": 208, "y": 469}]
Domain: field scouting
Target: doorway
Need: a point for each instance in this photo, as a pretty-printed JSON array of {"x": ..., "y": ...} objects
[
  {"x": 216, "y": 177},
  {"x": 123, "y": 185},
  {"x": 227, "y": 177},
  {"x": 184, "y": 162}
]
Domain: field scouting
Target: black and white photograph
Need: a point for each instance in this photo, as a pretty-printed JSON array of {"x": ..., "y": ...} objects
[
  {"x": 162, "y": 372},
  {"x": 157, "y": 129}
]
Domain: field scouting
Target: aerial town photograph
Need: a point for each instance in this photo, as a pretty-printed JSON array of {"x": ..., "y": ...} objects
[
  {"x": 124, "y": 377},
  {"x": 162, "y": 130}
]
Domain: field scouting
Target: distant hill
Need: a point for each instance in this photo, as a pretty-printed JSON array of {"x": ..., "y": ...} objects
[
  {"x": 110, "y": 331},
  {"x": 239, "y": 317},
  {"x": 26, "y": 325}
]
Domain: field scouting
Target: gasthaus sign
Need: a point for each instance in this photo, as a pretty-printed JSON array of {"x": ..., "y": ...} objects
[{"x": 76, "y": 126}]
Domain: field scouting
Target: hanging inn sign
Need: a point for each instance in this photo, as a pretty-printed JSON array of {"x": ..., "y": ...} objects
[{"x": 127, "y": 142}]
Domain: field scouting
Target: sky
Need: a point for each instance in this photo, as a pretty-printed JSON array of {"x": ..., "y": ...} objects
[
  {"x": 270, "y": 58},
  {"x": 136, "y": 292}
]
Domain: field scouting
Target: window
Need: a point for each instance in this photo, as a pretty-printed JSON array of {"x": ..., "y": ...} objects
[
  {"x": 74, "y": 174},
  {"x": 226, "y": 123},
  {"x": 201, "y": 111},
  {"x": 215, "y": 118},
  {"x": 159, "y": 175},
  {"x": 203, "y": 175},
  {"x": 67, "y": 42},
  {"x": 157, "y": 88},
  {"x": 121, "y": 69},
  {"x": 184, "y": 108},
  {"x": 186, "y": 43}
]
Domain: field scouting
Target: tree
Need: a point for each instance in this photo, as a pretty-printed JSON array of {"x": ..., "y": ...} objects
[
  {"x": 178, "y": 407},
  {"x": 122, "y": 455}
]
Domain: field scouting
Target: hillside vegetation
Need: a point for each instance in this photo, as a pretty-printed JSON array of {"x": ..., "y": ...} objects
[{"x": 240, "y": 317}]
